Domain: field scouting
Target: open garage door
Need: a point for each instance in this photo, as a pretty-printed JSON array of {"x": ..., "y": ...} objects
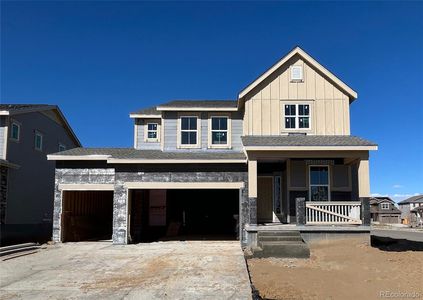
[
  {"x": 87, "y": 215},
  {"x": 184, "y": 214}
]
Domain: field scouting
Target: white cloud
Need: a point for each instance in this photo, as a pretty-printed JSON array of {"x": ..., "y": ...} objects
[{"x": 397, "y": 186}]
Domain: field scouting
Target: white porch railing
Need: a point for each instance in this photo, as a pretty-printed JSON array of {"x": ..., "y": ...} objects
[{"x": 336, "y": 212}]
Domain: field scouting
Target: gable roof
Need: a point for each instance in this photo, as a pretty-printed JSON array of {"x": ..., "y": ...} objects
[
  {"x": 16, "y": 109},
  {"x": 310, "y": 60},
  {"x": 414, "y": 199},
  {"x": 378, "y": 200}
]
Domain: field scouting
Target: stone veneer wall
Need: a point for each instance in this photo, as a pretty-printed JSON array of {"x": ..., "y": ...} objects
[
  {"x": 76, "y": 175},
  {"x": 174, "y": 173},
  {"x": 121, "y": 174},
  {"x": 3, "y": 194}
]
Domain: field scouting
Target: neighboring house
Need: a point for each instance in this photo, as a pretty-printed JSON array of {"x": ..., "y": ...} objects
[
  {"x": 216, "y": 167},
  {"x": 27, "y": 133},
  {"x": 407, "y": 205},
  {"x": 383, "y": 210},
  {"x": 417, "y": 216}
]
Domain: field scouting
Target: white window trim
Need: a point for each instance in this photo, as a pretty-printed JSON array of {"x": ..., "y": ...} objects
[
  {"x": 384, "y": 206},
  {"x": 296, "y": 79},
  {"x": 35, "y": 141},
  {"x": 62, "y": 145},
  {"x": 297, "y": 117},
  {"x": 228, "y": 144},
  {"x": 152, "y": 140},
  {"x": 11, "y": 131},
  {"x": 309, "y": 181},
  {"x": 179, "y": 131}
]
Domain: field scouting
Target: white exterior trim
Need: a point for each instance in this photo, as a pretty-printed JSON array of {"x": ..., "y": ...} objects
[
  {"x": 179, "y": 145},
  {"x": 184, "y": 185},
  {"x": 228, "y": 144},
  {"x": 309, "y": 148},
  {"x": 77, "y": 157},
  {"x": 86, "y": 187},
  {"x": 5, "y": 138},
  {"x": 143, "y": 116},
  {"x": 175, "y": 161}
]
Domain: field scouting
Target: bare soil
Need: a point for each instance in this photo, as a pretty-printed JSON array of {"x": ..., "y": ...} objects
[{"x": 340, "y": 269}]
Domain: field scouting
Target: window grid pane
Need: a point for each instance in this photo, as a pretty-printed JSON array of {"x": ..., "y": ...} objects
[
  {"x": 290, "y": 110},
  {"x": 219, "y": 137},
  {"x": 290, "y": 122}
]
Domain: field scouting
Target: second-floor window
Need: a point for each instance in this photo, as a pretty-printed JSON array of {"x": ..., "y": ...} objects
[
  {"x": 38, "y": 141},
  {"x": 16, "y": 131},
  {"x": 384, "y": 205},
  {"x": 297, "y": 116},
  {"x": 189, "y": 131},
  {"x": 219, "y": 130},
  {"x": 152, "y": 133}
]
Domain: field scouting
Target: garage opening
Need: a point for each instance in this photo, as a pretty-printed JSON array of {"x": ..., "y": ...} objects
[
  {"x": 183, "y": 214},
  {"x": 87, "y": 215}
]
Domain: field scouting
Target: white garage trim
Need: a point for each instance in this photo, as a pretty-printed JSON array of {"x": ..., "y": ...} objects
[
  {"x": 175, "y": 161},
  {"x": 86, "y": 187},
  {"x": 184, "y": 185}
]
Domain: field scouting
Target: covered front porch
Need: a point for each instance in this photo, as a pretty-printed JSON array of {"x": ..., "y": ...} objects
[{"x": 308, "y": 188}]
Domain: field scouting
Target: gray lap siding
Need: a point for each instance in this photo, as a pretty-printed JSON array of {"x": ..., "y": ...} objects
[{"x": 121, "y": 174}]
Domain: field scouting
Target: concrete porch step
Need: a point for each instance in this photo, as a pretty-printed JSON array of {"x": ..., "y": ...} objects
[
  {"x": 285, "y": 249},
  {"x": 278, "y": 233},
  {"x": 280, "y": 238}
]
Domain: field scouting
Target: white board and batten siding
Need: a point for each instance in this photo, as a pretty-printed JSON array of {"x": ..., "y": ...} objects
[{"x": 329, "y": 105}]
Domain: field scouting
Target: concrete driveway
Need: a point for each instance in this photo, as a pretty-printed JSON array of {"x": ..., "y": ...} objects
[{"x": 100, "y": 270}]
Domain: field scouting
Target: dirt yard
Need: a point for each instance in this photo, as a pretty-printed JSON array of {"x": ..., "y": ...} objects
[{"x": 340, "y": 269}]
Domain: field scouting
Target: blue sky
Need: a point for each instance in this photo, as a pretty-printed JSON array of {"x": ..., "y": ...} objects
[{"x": 101, "y": 60}]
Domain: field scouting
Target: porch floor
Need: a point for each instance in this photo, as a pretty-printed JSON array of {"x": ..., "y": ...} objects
[{"x": 307, "y": 228}]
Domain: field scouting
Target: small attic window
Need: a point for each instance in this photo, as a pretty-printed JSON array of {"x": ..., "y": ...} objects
[{"x": 297, "y": 73}]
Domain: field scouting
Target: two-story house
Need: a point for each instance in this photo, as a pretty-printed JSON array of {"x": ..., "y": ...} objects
[
  {"x": 384, "y": 211},
  {"x": 27, "y": 133},
  {"x": 281, "y": 153},
  {"x": 406, "y": 207}
]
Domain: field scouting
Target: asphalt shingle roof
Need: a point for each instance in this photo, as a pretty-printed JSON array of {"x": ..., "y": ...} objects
[
  {"x": 414, "y": 199},
  {"x": 131, "y": 153},
  {"x": 147, "y": 111},
  {"x": 16, "y": 107},
  {"x": 201, "y": 103},
  {"x": 306, "y": 140},
  {"x": 188, "y": 104}
]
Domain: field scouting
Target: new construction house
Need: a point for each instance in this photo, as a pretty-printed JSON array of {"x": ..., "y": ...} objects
[{"x": 279, "y": 156}]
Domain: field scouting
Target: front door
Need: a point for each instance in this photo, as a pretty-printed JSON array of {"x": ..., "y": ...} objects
[{"x": 264, "y": 199}]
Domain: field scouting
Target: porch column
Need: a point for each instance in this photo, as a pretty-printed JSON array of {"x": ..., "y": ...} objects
[
  {"x": 363, "y": 178},
  {"x": 252, "y": 190}
]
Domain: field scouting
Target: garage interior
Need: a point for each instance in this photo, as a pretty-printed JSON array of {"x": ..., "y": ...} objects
[
  {"x": 183, "y": 214},
  {"x": 87, "y": 215}
]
